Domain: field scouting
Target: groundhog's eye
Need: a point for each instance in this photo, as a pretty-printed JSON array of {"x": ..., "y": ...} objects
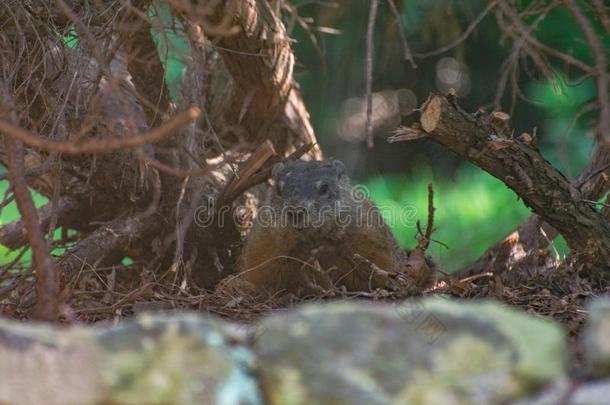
[{"x": 323, "y": 189}]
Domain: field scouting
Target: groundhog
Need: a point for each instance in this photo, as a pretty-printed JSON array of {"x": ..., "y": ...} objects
[{"x": 313, "y": 231}]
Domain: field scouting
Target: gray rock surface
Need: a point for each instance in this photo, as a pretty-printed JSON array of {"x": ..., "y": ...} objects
[
  {"x": 597, "y": 337},
  {"x": 590, "y": 393},
  {"x": 352, "y": 352},
  {"x": 160, "y": 359},
  {"x": 430, "y": 352}
]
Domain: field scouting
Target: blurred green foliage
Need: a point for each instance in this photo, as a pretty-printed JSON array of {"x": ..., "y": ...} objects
[
  {"x": 569, "y": 145},
  {"x": 472, "y": 211}
]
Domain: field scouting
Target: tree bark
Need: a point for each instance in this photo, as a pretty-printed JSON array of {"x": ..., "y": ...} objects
[
  {"x": 534, "y": 233},
  {"x": 265, "y": 98}
]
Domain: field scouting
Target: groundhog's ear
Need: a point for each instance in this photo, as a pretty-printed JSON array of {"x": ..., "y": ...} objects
[
  {"x": 277, "y": 169},
  {"x": 339, "y": 167}
]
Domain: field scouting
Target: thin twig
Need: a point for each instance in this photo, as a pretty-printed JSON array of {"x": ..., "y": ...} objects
[
  {"x": 403, "y": 37},
  {"x": 601, "y": 65},
  {"x": 176, "y": 172},
  {"x": 47, "y": 282},
  {"x": 521, "y": 35},
  {"x": 85, "y": 35},
  {"x": 426, "y": 236},
  {"x": 369, "y": 72},
  {"x": 602, "y": 12},
  {"x": 431, "y": 209},
  {"x": 462, "y": 37}
]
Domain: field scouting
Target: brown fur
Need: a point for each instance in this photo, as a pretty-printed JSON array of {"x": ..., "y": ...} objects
[
  {"x": 303, "y": 260},
  {"x": 276, "y": 260},
  {"x": 279, "y": 258}
]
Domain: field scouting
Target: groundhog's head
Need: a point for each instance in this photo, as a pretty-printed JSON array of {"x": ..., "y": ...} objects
[{"x": 312, "y": 196}]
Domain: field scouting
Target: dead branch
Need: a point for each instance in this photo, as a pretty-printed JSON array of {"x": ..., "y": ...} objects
[
  {"x": 47, "y": 282},
  {"x": 522, "y": 168},
  {"x": 254, "y": 163},
  {"x": 107, "y": 239},
  {"x": 520, "y": 246},
  {"x": 86, "y": 36},
  {"x": 14, "y": 236},
  {"x": 534, "y": 233},
  {"x": 100, "y": 145},
  {"x": 368, "y": 72},
  {"x": 594, "y": 180}
]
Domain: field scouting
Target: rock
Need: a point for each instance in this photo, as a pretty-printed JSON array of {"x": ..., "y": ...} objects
[
  {"x": 427, "y": 352},
  {"x": 597, "y": 336},
  {"x": 540, "y": 343},
  {"x": 43, "y": 364},
  {"x": 434, "y": 351},
  {"x": 153, "y": 359},
  {"x": 593, "y": 393},
  {"x": 590, "y": 393}
]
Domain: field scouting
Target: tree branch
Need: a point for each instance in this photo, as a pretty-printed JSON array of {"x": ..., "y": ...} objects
[
  {"x": 98, "y": 145},
  {"x": 525, "y": 171},
  {"x": 14, "y": 235},
  {"x": 105, "y": 240}
]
